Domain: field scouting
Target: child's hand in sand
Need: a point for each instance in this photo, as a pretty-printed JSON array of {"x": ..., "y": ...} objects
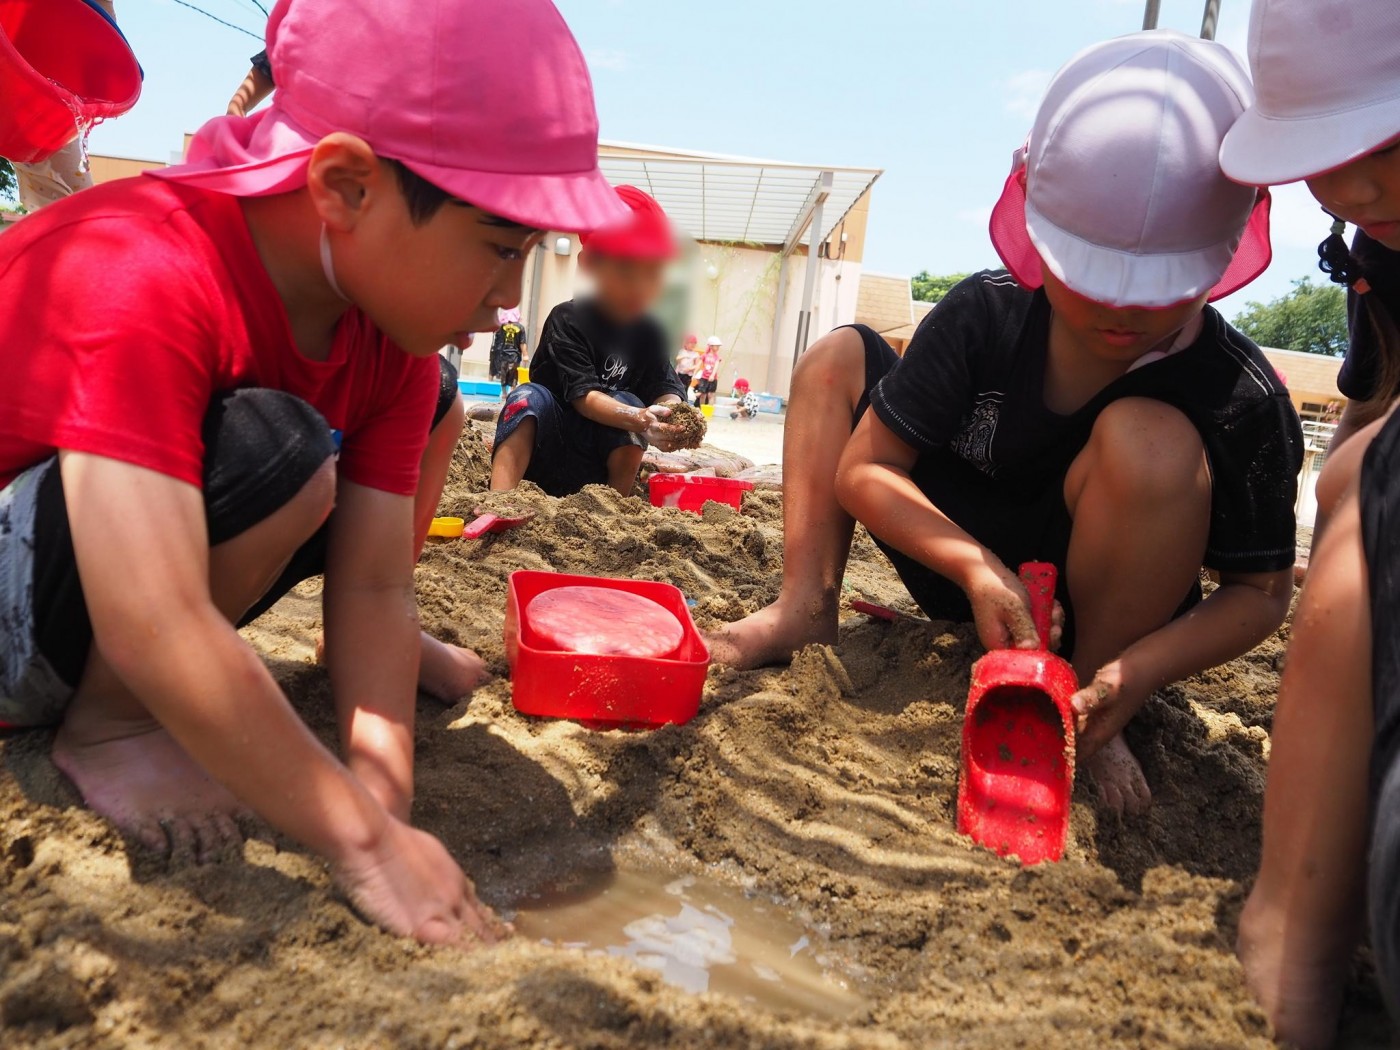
[
  {"x": 1001, "y": 609},
  {"x": 1108, "y": 703},
  {"x": 410, "y": 885},
  {"x": 661, "y": 434}
]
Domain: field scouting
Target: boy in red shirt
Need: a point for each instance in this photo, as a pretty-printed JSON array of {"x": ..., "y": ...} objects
[{"x": 249, "y": 403}]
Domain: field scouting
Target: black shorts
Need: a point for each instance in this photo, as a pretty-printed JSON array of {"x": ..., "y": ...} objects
[
  {"x": 1380, "y": 534},
  {"x": 261, "y": 448},
  {"x": 570, "y": 450},
  {"x": 706, "y": 386},
  {"x": 508, "y": 370},
  {"x": 1017, "y": 523}
]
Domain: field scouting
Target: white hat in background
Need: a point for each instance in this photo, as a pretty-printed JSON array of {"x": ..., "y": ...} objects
[
  {"x": 714, "y": 340},
  {"x": 1327, "y": 73},
  {"x": 1119, "y": 191}
]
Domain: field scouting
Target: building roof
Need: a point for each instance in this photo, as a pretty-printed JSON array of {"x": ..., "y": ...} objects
[
  {"x": 1307, "y": 374},
  {"x": 883, "y": 302},
  {"x": 742, "y": 200}
]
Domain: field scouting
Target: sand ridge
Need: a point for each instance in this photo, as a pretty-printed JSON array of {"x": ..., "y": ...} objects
[{"x": 830, "y": 785}]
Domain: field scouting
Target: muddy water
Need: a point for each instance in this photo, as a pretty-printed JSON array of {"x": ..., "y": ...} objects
[{"x": 699, "y": 935}]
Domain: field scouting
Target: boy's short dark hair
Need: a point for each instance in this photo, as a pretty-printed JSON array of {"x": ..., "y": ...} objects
[{"x": 423, "y": 198}]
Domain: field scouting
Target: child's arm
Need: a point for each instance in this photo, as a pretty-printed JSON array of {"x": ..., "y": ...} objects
[
  {"x": 1303, "y": 917},
  {"x": 141, "y": 545},
  {"x": 371, "y": 619},
  {"x": 873, "y": 484},
  {"x": 602, "y": 407},
  {"x": 1244, "y": 610},
  {"x": 256, "y": 86}
]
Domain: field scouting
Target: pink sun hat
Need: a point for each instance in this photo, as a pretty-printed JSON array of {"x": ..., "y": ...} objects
[
  {"x": 1119, "y": 191},
  {"x": 517, "y": 138},
  {"x": 1328, "y": 80}
]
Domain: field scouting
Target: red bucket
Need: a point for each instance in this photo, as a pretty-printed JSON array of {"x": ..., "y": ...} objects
[
  {"x": 62, "y": 66},
  {"x": 693, "y": 491},
  {"x": 602, "y": 691}
]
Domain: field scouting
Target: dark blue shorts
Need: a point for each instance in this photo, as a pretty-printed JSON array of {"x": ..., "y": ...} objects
[{"x": 570, "y": 450}]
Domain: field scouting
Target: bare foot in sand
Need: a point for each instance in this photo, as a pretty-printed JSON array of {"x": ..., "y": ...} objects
[
  {"x": 449, "y": 672},
  {"x": 1297, "y": 979},
  {"x": 147, "y": 785},
  {"x": 1122, "y": 786},
  {"x": 772, "y": 635},
  {"x": 445, "y": 672}
]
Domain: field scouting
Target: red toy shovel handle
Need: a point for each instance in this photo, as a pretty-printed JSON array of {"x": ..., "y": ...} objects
[
  {"x": 482, "y": 525},
  {"x": 1039, "y": 578}
]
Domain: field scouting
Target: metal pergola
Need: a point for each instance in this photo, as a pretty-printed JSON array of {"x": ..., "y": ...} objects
[
  {"x": 1209, "y": 20},
  {"x": 741, "y": 200}
]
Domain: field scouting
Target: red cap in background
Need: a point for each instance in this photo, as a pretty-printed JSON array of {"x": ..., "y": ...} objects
[{"x": 644, "y": 235}]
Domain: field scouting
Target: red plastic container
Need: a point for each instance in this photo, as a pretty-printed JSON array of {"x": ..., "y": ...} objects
[
  {"x": 607, "y": 691},
  {"x": 1018, "y": 741},
  {"x": 62, "y": 66},
  {"x": 693, "y": 491}
]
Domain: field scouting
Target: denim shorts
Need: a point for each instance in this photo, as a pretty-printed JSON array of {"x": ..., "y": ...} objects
[{"x": 570, "y": 451}]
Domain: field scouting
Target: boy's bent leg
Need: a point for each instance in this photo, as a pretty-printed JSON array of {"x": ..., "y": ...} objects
[
  {"x": 1139, "y": 495},
  {"x": 446, "y": 672},
  {"x": 528, "y": 408},
  {"x": 122, "y": 762},
  {"x": 827, "y": 387},
  {"x": 621, "y": 450}
]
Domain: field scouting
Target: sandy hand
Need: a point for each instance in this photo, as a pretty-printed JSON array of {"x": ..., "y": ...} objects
[
  {"x": 410, "y": 885},
  {"x": 663, "y": 435},
  {"x": 1001, "y": 609}
]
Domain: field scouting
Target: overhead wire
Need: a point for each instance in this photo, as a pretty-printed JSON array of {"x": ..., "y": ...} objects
[{"x": 216, "y": 18}]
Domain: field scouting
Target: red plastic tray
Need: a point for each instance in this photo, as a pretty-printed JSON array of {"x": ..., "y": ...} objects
[
  {"x": 609, "y": 691},
  {"x": 693, "y": 491}
]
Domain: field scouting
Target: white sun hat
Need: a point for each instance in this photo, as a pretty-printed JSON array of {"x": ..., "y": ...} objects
[
  {"x": 1327, "y": 74},
  {"x": 1119, "y": 191},
  {"x": 714, "y": 340}
]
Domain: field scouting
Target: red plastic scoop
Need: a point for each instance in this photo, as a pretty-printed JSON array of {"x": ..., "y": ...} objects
[
  {"x": 485, "y": 522},
  {"x": 1018, "y": 741}
]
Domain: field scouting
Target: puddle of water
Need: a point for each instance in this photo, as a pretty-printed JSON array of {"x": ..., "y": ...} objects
[{"x": 698, "y": 935}]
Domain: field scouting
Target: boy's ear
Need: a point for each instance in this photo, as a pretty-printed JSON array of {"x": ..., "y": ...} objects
[{"x": 343, "y": 177}]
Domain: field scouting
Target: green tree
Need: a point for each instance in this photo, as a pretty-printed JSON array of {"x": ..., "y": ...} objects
[
  {"x": 930, "y": 288},
  {"x": 1312, "y": 317},
  {"x": 8, "y": 185}
]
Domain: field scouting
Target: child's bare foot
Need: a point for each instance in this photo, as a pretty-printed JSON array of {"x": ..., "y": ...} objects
[
  {"x": 145, "y": 783},
  {"x": 449, "y": 672},
  {"x": 445, "y": 672},
  {"x": 1119, "y": 778},
  {"x": 1299, "y": 985},
  {"x": 772, "y": 635}
]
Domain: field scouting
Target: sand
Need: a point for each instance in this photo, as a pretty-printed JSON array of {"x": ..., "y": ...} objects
[
  {"x": 692, "y": 424},
  {"x": 829, "y": 786}
]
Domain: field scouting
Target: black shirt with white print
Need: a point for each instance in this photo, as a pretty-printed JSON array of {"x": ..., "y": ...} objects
[
  {"x": 972, "y": 383},
  {"x": 582, "y": 350}
]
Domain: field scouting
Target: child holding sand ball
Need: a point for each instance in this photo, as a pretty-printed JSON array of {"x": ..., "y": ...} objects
[
  {"x": 1328, "y": 73},
  {"x": 248, "y": 403},
  {"x": 602, "y": 385},
  {"x": 1086, "y": 408}
]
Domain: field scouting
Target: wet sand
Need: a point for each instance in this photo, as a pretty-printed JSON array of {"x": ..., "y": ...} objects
[{"x": 826, "y": 789}]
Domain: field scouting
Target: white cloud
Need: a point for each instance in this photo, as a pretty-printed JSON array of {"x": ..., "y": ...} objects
[
  {"x": 607, "y": 58},
  {"x": 1023, "y": 92}
]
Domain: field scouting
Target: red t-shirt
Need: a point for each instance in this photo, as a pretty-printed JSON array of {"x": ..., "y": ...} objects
[{"x": 125, "y": 309}]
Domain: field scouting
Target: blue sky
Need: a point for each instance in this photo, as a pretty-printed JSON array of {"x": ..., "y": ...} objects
[{"x": 936, "y": 92}]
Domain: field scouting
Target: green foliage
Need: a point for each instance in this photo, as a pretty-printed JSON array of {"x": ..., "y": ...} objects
[
  {"x": 930, "y": 288},
  {"x": 8, "y": 185},
  {"x": 1312, "y": 318}
]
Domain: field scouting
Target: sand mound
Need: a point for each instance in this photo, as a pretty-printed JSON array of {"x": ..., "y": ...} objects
[{"x": 830, "y": 785}]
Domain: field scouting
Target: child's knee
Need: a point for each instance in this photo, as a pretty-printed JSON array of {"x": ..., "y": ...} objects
[
  {"x": 264, "y": 450},
  {"x": 1146, "y": 449},
  {"x": 840, "y": 353}
]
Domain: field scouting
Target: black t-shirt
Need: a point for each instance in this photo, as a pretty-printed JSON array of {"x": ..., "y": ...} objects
[
  {"x": 972, "y": 382},
  {"x": 1361, "y": 371},
  {"x": 581, "y": 350},
  {"x": 262, "y": 64},
  {"x": 508, "y": 338}
]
